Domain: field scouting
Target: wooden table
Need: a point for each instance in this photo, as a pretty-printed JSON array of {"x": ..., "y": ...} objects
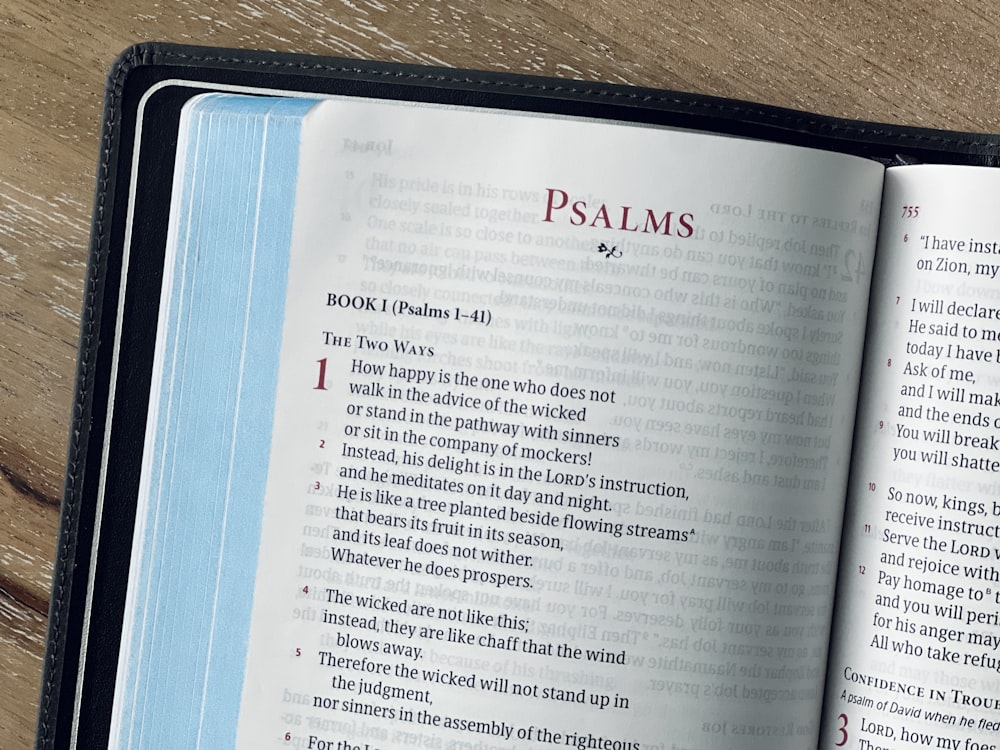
[{"x": 919, "y": 63}]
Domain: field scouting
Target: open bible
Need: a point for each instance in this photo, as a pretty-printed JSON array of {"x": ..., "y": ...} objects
[{"x": 413, "y": 417}]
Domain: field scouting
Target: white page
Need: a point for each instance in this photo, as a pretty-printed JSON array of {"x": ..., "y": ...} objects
[
  {"x": 671, "y": 408},
  {"x": 916, "y": 657}
]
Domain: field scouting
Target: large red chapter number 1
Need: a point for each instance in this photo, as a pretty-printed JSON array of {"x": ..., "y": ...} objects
[{"x": 321, "y": 381}]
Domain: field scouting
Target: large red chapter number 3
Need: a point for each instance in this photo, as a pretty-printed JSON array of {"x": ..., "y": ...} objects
[{"x": 843, "y": 730}]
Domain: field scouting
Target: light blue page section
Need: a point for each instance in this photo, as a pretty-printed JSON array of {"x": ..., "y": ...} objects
[{"x": 205, "y": 467}]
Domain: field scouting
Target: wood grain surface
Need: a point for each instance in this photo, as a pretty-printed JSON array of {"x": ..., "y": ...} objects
[{"x": 929, "y": 64}]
